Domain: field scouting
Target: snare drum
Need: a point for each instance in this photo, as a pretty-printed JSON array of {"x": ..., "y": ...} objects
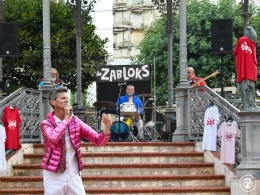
[{"x": 128, "y": 109}]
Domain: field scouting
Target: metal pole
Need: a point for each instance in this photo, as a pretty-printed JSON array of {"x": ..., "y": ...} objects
[
  {"x": 169, "y": 49},
  {"x": 78, "y": 51},
  {"x": 46, "y": 44},
  {"x": 154, "y": 103},
  {"x": 222, "y": 76},
  {"x": 183, "y": 43},
  {"x": 246, "y": 13},
  {"x": 1, "y": 20},
  {"x": 1, "y": 69}
]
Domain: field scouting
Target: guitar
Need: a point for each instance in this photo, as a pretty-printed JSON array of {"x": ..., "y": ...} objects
[{"x": 204, "y": 79}]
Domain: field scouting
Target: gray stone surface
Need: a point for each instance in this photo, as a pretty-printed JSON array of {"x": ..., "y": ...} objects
[
  {"x": 181, "y": 133},
  {"x": 250, "y": 144}
]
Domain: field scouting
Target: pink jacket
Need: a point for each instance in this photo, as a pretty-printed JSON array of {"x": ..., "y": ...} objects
[{"x": 52, "y": 134}]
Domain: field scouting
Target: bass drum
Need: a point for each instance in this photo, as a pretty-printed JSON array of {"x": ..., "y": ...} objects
[{"x": 119, "y": 132}]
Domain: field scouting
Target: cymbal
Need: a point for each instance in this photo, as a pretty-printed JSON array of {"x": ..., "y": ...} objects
[
  {"x": 144, "y": 95},
  {"x": 104, "y": 104}
]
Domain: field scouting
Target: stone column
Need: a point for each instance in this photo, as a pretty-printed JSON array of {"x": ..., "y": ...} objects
[
  {"x": 46, "y": 46},
  {"x": 248, "y": 172},
  {"x": 78, "y": 51},
  {"x": 181, "y": 133},
  {"x": 45, "y": 107},
  {"x": 250, "y": 144}
]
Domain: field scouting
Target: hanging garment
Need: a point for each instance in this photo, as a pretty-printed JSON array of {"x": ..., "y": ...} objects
[
  {"x": 228, "y": 131},
  {"x": 12, "y": 121},
  {"x": 2, "y": 149},
  {"x": 211, "y": 121}
]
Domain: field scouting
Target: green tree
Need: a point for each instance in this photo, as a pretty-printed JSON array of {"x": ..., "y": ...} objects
[
  {"x": 200, "y": 13},
  {"x": 27, "y": 68}
]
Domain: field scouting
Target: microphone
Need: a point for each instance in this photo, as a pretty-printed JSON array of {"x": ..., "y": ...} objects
[{"x": 71, "y": 112}]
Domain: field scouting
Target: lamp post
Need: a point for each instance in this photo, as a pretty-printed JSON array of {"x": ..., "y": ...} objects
[
  {"x": 87, "y": 7},
  {"x": 46, "y": 46},
  {"x": 246, "y": 15},
  {"x": 168, "y": 8}
]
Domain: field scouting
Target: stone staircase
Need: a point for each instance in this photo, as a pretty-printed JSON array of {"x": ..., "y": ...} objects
[{"x": 143, "y": 168}]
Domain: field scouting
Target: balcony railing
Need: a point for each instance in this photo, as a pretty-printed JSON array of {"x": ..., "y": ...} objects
[
  {"x": 28, "y": 102},
  {"x": 126, "y": 44}
]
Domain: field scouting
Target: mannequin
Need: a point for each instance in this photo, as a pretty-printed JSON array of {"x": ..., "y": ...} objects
[{"x": 246, "y": 65}]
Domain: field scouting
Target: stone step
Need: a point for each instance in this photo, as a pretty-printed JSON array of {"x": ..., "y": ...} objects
[
  {"x": 187, "y": 190},
  {"x": 131, "y": 147},
  {"x": 126, "y": 169},
  {"x": 129, "y": 157},
  {"x": 122, "y": 181}
]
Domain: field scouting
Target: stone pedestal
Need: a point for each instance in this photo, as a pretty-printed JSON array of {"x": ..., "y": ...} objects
[
  {"x": 181, "y": 132},
  {"x": 169, "y": 113},
  {"x": 245, "y": 186},
  {"x": 250, "y": 144}
]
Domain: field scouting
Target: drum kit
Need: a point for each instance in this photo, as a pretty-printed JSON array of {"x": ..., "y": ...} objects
[{"x": 123, "y": 130}]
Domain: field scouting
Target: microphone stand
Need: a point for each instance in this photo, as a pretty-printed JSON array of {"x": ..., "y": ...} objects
[{"x": 118, "y": 110}]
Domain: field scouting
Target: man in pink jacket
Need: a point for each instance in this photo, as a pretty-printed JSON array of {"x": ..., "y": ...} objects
[{"x": 62, "y": 133}]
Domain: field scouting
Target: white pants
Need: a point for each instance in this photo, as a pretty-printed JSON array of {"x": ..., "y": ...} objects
[
  {"x": 54, "y": 186},
  {"x": 139, "y": 124}
]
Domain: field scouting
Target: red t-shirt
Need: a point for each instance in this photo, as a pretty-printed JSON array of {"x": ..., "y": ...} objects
[
  {"x": 195, "y": 79},
  {"x": 12, "y": 121},
  {"x": 246, "y": 63}
]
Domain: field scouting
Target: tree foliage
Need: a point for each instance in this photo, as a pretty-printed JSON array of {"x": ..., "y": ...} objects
[
  {"x": 27, "y": 68},
  {"x": 200, "y": 13}
]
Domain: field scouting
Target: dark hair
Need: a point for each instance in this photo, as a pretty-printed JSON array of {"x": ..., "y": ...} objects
[{"x": 53, "y": 93}]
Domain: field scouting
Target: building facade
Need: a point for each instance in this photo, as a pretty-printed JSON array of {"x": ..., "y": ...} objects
[{"x": 131, "y": 18}]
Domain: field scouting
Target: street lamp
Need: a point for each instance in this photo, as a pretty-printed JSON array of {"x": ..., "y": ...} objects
[
  {"x": 170, "y": 12},
  {"x": 86, "y": 6},
  {"x": 181, "y": 89},
  {"x": 168, "y": 8}
]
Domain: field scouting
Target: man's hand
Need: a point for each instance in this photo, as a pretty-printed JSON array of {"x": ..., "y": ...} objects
[
  {"x": 137, "y": 116},
  {"x": 196, "y": 85},
  {"x": 67, "y": 109},
  {"x": 107, "y": 122}
]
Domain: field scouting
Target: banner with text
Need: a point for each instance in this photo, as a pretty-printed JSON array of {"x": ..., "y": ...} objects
[{"x": 114, "y": 73}]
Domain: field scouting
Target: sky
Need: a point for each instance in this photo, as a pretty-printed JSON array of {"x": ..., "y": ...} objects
[{"x": 103, "y": 19}]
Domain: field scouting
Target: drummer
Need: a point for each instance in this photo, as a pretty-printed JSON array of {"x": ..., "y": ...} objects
[{"x": 131, "y": 97}]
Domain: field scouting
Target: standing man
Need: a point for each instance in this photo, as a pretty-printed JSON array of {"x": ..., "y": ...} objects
[
  {"x": 193, "y": 79},
  {"x": 131, "y": 97},
  {"x": 62, "y": 132}
]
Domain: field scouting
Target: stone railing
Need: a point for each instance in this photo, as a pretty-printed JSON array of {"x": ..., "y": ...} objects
[
  {"x": 28, "y": 102},
  {"x": 201, "y": 98}
]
